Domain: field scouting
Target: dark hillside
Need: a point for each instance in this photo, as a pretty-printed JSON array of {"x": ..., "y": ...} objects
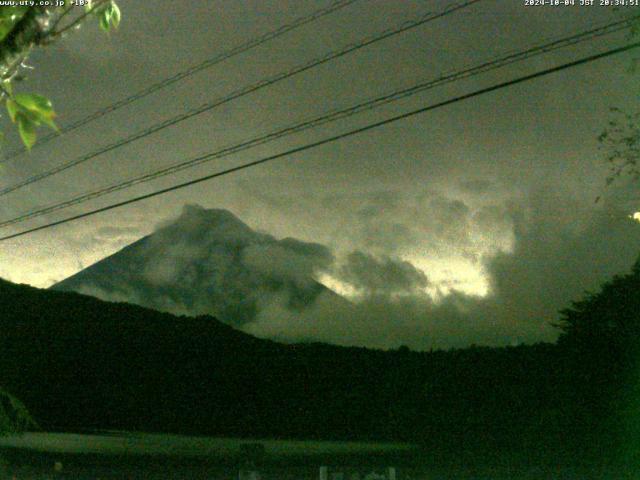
[
  {"x": 81, "y": 363},
  {"x": 78, "y": 362}
]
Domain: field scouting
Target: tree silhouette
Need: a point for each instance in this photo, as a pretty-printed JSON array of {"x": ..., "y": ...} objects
[
  {"x": 606, "y": 323},
  {"x": 601, "y": 342}
]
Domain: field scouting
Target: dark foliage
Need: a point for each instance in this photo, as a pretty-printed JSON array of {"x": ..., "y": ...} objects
[
  {"x": 601, "y": 344},
  {"x": 80, "y": 363}
]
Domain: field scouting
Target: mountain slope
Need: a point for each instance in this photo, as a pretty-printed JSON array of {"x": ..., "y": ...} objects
[
  {"x": 78, "y": 362},
  {"x": 209, "y": 262}
]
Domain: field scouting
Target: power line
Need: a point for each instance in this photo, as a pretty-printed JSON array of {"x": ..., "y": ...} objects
[
  {"x": 208, "y": 63},
  {"x": 507, "y": 59},
  {"x": 332, "y": 139},
  {"x": 428, "y": 17}
]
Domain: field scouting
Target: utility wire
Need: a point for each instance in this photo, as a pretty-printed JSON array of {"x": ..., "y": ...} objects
[
  {"x": 208, "y": 63},
  {"x": 428, "y": 17},
  {"x": 334, "y": 138},
  {"x": 509, "y": 58}
]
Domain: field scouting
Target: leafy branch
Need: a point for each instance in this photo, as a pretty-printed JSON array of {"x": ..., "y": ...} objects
[
  {"x": 24, "y": 28},
  {"x": 108, "y": 15},
  {"x": 621, "y": 137},
  {"x": 622, "y": 141}
]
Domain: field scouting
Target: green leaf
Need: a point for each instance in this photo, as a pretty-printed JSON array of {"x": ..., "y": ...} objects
[
  {"x": 88, "y": 6},
  {"x": 5, "y": 27},
  {"x": 115, "y": 14},
  {"x": 35, "y": 103},
  {"x": 12, "y": 108},
  {"x": 50, "y": 123},
  {"x": 36, "y": 108},
  {"x": 6, "y": 84},
  {"x": 9, "y": 16},
  {"x": 33, "y": 117},
  {"x": 27, "y": 130},
  {"x": 105, "y": 20},
  {"x": 109, "y": 16}
]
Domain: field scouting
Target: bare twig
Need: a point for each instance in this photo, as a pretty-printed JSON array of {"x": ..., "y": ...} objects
[
  {"x": 60, "y": 17},
  {"x": 79, "y": 19}
]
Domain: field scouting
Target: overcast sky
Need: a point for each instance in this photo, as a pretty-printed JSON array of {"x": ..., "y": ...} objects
[{"x": 492, "y": 199}]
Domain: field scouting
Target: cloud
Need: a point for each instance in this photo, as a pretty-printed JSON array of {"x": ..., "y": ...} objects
[
  {"x": 562, "y": 247},
  {"x": 208, "y": 261},
  {"x": 477, "y": 186},
  {"x": 288, "y": 260},
  {"x": 388, "y": 321},
  {"x": 432, "y": 223},
  {"x": 371, "y": 275}
]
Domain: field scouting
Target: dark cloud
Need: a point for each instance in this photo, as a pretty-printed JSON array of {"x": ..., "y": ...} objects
[
  {"x": 395, "y": 222},
  {"x": 477, "y": 186},
  {"x": 388, "y": 321},
  {"x": 558, "y": 254},
  {"x": 563, "y": 248},
  {"x": 371, "y": 275}
]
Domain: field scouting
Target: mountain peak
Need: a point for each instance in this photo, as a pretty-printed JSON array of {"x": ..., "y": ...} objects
[
  {"x": 196, "y": 215},
  {"x": 207, "y": 261},
  {"x": 196, "y": 222}
]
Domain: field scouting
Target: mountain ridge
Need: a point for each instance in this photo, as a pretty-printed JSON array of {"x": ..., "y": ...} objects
[{"x": 208, "y": 262}]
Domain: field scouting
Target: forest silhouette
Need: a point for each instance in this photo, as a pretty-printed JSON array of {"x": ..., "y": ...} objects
[{"x": 79, "y": 363}]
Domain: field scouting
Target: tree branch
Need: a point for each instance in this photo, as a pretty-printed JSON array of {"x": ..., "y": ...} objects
[
  {"x": 78, "y": 20},
  {"x": 26, "y": 33}
]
